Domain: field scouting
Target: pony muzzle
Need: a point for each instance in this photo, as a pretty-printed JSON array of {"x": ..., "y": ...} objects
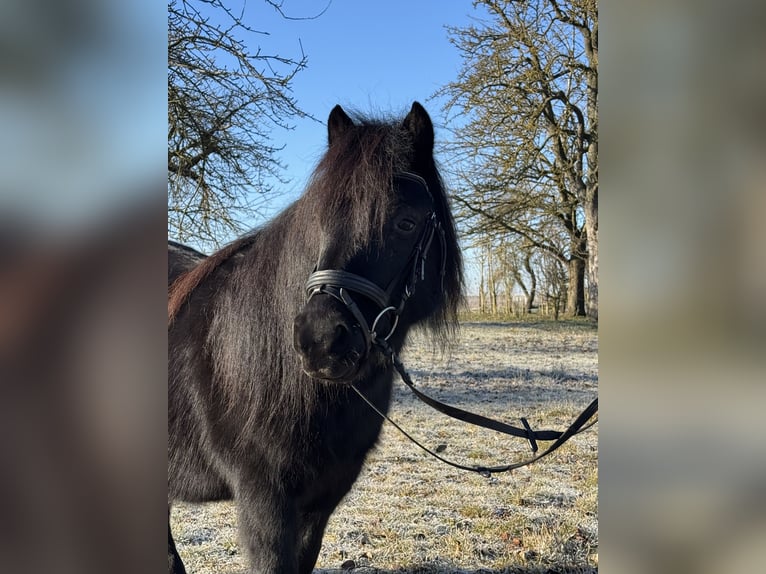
[{"x": 330, "y": 343}]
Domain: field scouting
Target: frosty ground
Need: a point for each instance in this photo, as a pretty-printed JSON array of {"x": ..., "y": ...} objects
[{"x": 410, "y": 514}]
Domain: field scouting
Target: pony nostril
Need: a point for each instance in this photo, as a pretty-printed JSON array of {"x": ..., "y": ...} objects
[
  {"x": 341, "y": 340},
  {"x": 301, "y": 341}
]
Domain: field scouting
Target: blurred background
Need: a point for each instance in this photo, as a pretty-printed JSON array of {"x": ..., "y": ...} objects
[
  {"x": 83, "y": 126},
  {"x": 82, "y": 285},
  {"x": 682, "y": 456}
]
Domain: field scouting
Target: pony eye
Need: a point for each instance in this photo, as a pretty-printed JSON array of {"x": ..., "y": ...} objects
[{"x": 406, "y": 225}]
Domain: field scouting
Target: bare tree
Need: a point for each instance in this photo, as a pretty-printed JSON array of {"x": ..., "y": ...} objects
[
  {"x": 513, "y": 270},
  {"x": 524, "y": 275},
  {"x": 224, "y": 99},
  {"x": 526, "y": 148},
  {"x": 554, "y": 281}
]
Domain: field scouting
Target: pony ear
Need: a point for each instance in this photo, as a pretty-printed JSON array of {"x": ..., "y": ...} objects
[
  {"x": 337, "y": 124},
  {"x": 418, "y": 123}
]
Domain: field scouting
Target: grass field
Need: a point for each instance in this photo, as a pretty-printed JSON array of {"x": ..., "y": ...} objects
[{"x": 409, "y": 513}]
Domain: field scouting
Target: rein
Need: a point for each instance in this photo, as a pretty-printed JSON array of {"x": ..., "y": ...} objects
[{"x": 580, "y": 424}]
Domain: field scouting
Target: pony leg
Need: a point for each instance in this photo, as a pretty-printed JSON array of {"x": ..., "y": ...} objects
[
  {"x": 175, "y": 566},
  {"x": 267, "y": 523},
  {"x": 310, "y": 540}
]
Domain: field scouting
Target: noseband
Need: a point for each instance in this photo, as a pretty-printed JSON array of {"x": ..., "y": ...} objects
[{"x": 341, "y": 284}]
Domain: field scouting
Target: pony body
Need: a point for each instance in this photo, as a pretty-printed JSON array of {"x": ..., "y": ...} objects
[{"x": 259, "y": 407}]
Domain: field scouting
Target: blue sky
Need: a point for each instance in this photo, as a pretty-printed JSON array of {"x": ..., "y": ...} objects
[{"x": 365, "y": 55}]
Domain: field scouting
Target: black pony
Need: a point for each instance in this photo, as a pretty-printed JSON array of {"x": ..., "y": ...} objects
[{"x": 267, "y": 336}]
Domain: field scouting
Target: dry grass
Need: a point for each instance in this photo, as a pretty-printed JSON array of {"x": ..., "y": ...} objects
[{"x": 410, "y": 514}]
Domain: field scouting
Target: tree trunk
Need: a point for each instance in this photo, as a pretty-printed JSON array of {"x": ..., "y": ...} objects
[
  {"x": 508, "y": 283},
  {"x": 492, "y": 291},
  {"x": 532, "y": 285},
  {"x": 482, "y": 303},
  {"x": 575, "y": 306},
  {"x": 482, "y": 298}
]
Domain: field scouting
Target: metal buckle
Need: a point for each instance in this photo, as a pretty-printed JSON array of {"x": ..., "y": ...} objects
[{"x": 374, "y": 333}]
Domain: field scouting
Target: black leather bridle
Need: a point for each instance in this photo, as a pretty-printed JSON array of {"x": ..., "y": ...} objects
[{"x": 341, "y": 284}]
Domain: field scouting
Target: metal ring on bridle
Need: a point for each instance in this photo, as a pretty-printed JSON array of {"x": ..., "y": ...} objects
[{"x": 374, "y": 333}]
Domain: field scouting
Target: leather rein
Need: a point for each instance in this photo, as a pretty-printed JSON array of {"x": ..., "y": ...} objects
[
  {"x": 341, "y": 284},
  {"x": 580, "y": 424}
]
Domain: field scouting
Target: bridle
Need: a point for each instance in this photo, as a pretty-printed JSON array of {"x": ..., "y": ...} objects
[{"x": 341, "y": 284}]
